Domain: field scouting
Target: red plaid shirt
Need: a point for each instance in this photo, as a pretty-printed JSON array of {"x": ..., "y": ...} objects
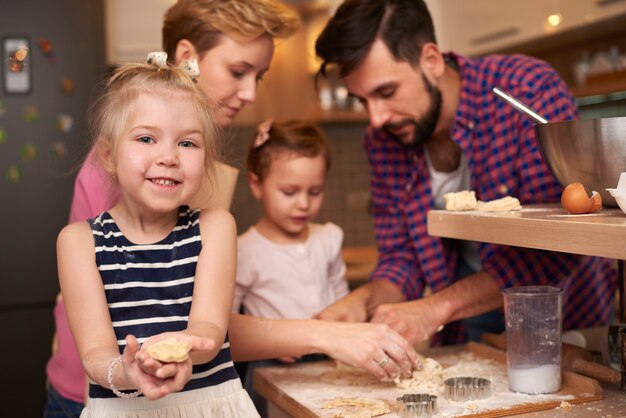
[{"x": 503, "y": 158}]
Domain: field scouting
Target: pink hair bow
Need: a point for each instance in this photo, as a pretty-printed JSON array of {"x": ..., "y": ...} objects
[{"x": 262, "y": 133}]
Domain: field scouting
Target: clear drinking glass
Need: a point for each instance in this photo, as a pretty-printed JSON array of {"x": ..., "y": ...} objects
[{"x": 533, "y": 338}]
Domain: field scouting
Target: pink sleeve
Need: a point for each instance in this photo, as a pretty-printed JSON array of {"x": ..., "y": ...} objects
[{"x": 94, "y": 192}]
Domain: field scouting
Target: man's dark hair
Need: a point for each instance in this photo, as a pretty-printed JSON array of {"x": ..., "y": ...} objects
[{"x": 403, "y": 25}]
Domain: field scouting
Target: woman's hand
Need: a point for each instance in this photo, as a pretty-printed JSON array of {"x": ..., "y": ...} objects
[{"x": 374, "y": 347}]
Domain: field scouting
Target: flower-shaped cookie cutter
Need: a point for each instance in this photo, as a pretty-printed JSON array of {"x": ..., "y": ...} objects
[
  {"x": 417, "y": 405},
  {"x": 461, "y": 389}
]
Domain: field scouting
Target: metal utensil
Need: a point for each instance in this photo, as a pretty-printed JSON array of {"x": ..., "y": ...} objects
[
  {"x": 519, "y": 106},
  {"x": 417, "y": 405},
  {"x": 589, "y": 151},
  {"x": 461, "y": 389}
]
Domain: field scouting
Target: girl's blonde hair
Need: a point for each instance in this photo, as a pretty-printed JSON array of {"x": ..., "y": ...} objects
[
  {"x": 295, "y": 137},
  {"x": 111, "y": 113},
  {"x": 203, "y": 22}
]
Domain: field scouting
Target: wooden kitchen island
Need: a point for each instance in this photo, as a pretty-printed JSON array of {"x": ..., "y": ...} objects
[{"x": 546, "y": 227}]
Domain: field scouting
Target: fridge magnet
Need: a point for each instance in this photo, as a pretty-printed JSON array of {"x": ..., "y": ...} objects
[
  {"x": 59, "y": 150},
  {"x": 3, "y": 108},
  {"x": 3, "y": 135},
  {"x": 67, "y": 85},
  {"x": 46, "y": 48},
  {"x": 31, "y": 114},
  {"x": 13, "y": 173},
  {"x": 16, "y": 65},
  {"x": 28, "y": 152},
  {"x": 65, "y": 123}
]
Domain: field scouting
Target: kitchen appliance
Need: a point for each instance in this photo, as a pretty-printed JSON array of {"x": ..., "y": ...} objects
[{"x": 588, "y": 151}]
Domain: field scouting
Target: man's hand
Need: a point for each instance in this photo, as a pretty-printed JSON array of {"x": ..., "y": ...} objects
[
  {"x": 419, "y": 319},
  {"x": 416, "y": 320},
  {"x": 350, "y": 308},
  {"x": 358, "y": 304}
]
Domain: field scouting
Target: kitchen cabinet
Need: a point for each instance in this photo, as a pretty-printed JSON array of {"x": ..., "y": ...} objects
[
  {"x": 483, "y": 26},
  {"x": 133, "y": 28},
  {"x": 288, "y": 89},
  {"x": 546, "y": 227}
]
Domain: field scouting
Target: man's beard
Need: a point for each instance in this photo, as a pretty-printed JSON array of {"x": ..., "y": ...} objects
[{"x": 424, "y": 128}]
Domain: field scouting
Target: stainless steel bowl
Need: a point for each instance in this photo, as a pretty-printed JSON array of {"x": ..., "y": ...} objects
[{"x": 589, "y": 151}]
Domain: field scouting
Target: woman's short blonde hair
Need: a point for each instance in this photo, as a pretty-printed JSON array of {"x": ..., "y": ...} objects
[
  {"x": 203, "y": 22},
  {"x": 112, "y": 112}
]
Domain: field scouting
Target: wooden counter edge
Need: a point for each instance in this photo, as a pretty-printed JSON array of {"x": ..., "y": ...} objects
[{"x": 273, "y": 394}]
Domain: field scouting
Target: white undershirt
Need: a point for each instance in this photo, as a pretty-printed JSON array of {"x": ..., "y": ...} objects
[{"x": 454, "y": 181}]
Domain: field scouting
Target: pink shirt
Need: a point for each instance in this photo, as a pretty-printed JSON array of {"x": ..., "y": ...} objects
[{"x": 93, "y": 193}]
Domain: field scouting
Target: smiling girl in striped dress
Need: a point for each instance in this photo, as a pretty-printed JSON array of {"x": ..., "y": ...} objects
[{"x": 151, "y": 268}]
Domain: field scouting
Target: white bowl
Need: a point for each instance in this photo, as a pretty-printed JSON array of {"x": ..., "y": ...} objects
[{"x": 619, "y": 195}]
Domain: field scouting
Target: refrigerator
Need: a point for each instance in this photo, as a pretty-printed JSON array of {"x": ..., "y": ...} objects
[{"x": 52, "y": 60}]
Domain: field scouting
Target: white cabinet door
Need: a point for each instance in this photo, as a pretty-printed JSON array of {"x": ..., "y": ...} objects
[
  {"x": 133, "y": 28},
  {"x": 473, "y": 27}
]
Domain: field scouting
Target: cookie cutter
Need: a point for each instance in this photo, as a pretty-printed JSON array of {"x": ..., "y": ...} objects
[
  {"x": 461, "y": 389},
  {"x": 417, "y": 405}
]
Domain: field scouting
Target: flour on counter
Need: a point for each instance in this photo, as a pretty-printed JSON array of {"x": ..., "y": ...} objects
[{"x": 357, "y": 407}]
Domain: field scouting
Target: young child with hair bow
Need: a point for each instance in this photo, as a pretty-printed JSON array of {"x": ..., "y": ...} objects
[
  {"x": 151, "y": 270},
  {"x": 288, "y": 266}
]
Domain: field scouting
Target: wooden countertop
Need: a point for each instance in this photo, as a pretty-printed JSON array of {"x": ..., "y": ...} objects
[
  {"x": 545, "y": 227},
  {"x": 298, "y": 391}
]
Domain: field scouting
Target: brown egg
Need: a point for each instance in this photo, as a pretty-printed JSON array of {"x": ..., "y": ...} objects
[{"x": 575, "y": 199}]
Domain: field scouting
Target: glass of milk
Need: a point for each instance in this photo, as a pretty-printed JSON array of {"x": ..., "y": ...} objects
[{"x": 533, "y": 338}]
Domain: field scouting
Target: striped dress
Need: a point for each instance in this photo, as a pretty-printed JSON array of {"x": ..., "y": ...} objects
[{"x": 148, "y": 290}]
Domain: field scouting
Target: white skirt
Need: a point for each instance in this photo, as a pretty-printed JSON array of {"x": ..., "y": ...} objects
[{"x": 226, "y": 400}]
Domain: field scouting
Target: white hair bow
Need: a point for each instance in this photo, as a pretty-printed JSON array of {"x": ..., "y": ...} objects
[{"x": 159, "y": 60}]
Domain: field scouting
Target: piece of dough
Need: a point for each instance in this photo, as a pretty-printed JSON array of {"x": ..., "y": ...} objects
[
  {"x": 427, "y": 380},
  {"x": 169, "y": 350},
  {"x": 357, "y": 407},
  {"x": 466, "y": 200},
  {"x": 463, "y": 200},
  {"x": 502, "y": 204}
]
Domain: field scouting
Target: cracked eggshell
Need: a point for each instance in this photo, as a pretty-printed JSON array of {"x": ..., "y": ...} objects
[{"x": 575, "y": 199}]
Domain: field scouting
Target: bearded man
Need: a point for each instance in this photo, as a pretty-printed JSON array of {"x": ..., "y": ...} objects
[{"x": 436, "y": 127}]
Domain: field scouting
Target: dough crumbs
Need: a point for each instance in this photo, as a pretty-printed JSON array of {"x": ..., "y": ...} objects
[
  {"x": 427, "y": 380},
  {"x": 357, "y": 407},
  {"x": 169, "y": 350},
  {"x": 564, "y": 405},
  {"x": 472, "y": 407},
  {"x": 430, "y": 379}
]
